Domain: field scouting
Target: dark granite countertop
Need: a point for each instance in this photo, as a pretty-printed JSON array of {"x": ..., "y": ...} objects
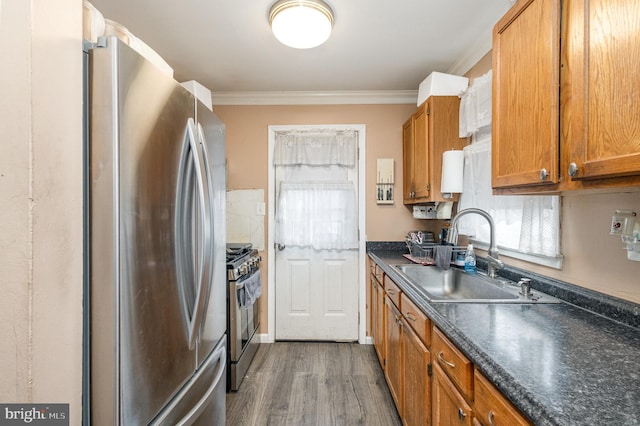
[{"x": 560, "y": 364}]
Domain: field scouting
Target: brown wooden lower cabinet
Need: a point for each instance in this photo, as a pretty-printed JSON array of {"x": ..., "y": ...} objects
[
  {"x": 379, "y": 324},
  {"x": 449, "y": 408},
  {"x": 393, "y": 354},
  {"x": 417, "y": 382},
  {"x": 431, "y": 381},
  {"x": 491, "y": 408}
]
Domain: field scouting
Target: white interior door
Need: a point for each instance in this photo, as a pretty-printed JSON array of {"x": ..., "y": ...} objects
[{"x": 316, "y": 289}]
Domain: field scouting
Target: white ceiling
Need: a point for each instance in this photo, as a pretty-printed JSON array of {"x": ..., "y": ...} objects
[{"x": 376, "y": 45}]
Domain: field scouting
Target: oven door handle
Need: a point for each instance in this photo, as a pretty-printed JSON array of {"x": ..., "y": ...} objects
[{"x": 240, "y": 283}]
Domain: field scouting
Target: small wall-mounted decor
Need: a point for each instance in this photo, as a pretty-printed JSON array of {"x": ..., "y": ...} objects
[{"x": 384, "y": 183}]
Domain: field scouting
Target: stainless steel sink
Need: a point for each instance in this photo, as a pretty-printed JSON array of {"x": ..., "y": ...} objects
[{"x": 455, "y": 285}]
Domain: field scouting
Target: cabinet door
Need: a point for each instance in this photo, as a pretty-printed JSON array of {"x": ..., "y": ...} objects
[
  {"x": 421, "y": 183},
  {"x": 417, "y": 383},
  {"x": 449, "y": 407},
  {"x": 371, "y": 305},
  {"x": 408, "y": 157},
  {"x": 380, "y": 324},
  {"x": 601, "y": 88},
  {"x": 491, "y": 408},
  {"x": 526, "y": 43},
  {"x": 393, "y": 353}
]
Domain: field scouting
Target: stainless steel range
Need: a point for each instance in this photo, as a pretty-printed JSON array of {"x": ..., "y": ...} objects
[{"x": 243, "y": 293}]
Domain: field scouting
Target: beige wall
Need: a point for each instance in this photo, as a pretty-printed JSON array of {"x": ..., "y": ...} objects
[
  {"x": 592, "y": 258},
  {"x": 41, "y": 193},
  {"x": 247, "y": 133}
]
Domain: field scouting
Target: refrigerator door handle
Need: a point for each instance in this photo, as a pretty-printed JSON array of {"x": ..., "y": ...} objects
[
  {"x": 208, "y": 247},
  {"x": 204, "y": 263},
  {"x": 200, "y": 406},
  {"x": 219, "y": 358},
  {"x": 196, "y": 164},
  {"x": 183, "y": 228}
]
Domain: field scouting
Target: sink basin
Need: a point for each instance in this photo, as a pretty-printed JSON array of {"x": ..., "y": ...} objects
[{"x": 455, "y": 285}]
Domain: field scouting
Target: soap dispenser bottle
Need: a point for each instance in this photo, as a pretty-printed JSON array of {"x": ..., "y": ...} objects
[{"x": 470, "y": 260}]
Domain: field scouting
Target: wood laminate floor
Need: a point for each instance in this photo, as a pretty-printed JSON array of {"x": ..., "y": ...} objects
[{"x": 309, "y": 383}]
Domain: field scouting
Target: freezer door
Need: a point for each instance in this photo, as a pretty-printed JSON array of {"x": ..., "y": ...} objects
[
  {"x": 202, "y": 401},
  {"x": 140, "y": 352}
]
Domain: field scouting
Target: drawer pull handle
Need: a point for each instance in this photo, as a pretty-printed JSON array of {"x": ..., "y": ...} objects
[
  {"x": 391, "y": 292},
  {"x": 410, "y": 317},
  {"x": 490, "y": 417},
  {"x": 444, "y": 361},
  {"x": 461, "y": 415}
]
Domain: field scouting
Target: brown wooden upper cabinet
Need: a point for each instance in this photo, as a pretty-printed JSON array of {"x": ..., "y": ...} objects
[
  {"x": 566, "y": 103},
  {"x": 430, "y": 131}
]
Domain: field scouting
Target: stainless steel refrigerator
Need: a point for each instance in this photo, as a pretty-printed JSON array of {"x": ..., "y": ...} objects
[{"x": 155, "y": 225}]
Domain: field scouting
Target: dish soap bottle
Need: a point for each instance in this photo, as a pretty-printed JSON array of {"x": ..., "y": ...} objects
[{"x": 470, "y": 260}]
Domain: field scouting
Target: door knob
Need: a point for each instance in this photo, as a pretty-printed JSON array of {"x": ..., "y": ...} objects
[{"x": 279, "y": 246}]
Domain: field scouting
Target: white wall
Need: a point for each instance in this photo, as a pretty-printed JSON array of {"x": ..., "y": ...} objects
[{"x": 41, "y": 195}]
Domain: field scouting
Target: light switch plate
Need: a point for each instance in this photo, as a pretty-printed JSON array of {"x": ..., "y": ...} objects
[{"x": 260, "y": 207}]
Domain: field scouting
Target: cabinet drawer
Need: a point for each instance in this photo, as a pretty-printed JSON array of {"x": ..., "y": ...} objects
[
  {"x": 453, "y": 362},
  {"x": 393, "y": 291},
  {"x": 418, "y": 321},
  {"x": 492, "y": 408}
]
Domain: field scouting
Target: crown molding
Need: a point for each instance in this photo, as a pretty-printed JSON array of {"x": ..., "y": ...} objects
[
  {"x": 477, "y": 50},
  {"x": 369, "y": 97},
  {"x": 482, "y": 46}
]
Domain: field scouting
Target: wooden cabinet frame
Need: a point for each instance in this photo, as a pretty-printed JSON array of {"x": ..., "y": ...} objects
[{"x": 565, "y": 110}]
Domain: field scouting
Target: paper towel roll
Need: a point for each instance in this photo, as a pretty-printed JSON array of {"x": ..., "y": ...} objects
[{"x": 452, "y": 167}]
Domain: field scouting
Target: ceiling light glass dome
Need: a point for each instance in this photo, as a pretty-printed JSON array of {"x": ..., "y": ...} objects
[{"x": 301, "y": 24}]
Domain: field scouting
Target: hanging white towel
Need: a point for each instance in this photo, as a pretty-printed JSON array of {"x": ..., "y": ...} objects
[{"x": 251, "y": 291}]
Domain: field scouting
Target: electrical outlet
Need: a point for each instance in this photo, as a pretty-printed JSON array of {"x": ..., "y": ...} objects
[{"x": 617, "y": 225}]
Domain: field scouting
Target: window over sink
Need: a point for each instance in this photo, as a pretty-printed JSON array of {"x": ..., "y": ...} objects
[{"x": 527, "y": 227}]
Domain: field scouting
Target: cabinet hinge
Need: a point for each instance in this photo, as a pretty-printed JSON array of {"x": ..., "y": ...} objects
[
  {"x": 428, "y": 111},
  {"x": 429, "y": 370},
  {"x": 428, "y": 187}
]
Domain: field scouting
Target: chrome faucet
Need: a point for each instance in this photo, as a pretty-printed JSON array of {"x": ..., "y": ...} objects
[{"x": 493, "y": 260}]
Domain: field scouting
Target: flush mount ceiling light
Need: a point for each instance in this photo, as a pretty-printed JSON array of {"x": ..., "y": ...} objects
[{"x": 301, "y": 24}]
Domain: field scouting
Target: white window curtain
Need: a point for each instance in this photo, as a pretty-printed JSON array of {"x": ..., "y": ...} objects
[
  {"x": 526, "y": 224},
  {"x": 321, "y": 147},
  {"x": 527, "y": 227},
  {"x": 316, "y": 203},
  {"x": 475, "y": 106},
  {"x": 322, "y": 215}
]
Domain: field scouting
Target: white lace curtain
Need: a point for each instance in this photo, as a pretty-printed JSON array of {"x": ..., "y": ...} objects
[
  {"x": 320, "y": 147},
  {"x": 313, "y": 208},
  {"x": 321, "y": 215},
  {"x": 475, "y": 106},
  {"x": 528, "y": 224}
]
